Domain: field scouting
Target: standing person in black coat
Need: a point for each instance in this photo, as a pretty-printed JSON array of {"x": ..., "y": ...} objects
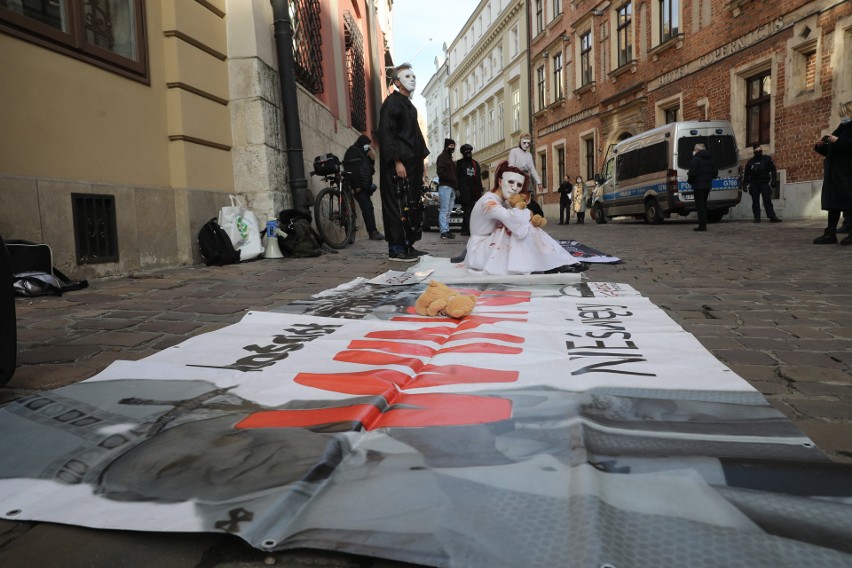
[
  {"x": 403, "y": 150},
  {"x": 468, "y": 175},
  {"x": 565, "y": 189},
  {"x": 837, "y": 175},
  {"x": 701, "y": 174},
  {"x": 358, "y": 161},
  {"x": 759, "y": 174}
]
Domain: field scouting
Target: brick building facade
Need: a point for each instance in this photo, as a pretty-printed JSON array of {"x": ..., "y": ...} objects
[{"x": 601, "y": 71}]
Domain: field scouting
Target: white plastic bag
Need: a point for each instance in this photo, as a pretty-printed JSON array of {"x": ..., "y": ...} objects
[{"x": 242, "y": 228}]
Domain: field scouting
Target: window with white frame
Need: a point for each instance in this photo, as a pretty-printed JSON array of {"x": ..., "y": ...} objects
[
  {"x": 560, "y": 166},
  {"x": 500, "y": 130},
  {"x": 543, "y": 162},
  {"x": 758, "y": 108},
  {"x": 624, "y": 33},
  {"x": 514, "y": 41},
  {"x": 516, "y": 109},
  {"x": 557, "y": 7},
  {"x": 557, "y": 76},
  {"x": 671, "y": 114},
  {"x": 586, "y": 76},
  {"x": 539, "y": 16},
  {"x": 668, "y": 23},
  {"x": 541, "y": 87},
  {"x": 587, "y": 155}
]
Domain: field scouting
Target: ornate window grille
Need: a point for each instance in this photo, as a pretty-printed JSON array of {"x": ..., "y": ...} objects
[
  {"x": 355, "y": 73},
  {"x": 307, "y": 43}
]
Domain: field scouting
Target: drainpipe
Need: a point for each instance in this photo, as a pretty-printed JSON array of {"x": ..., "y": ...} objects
[{"x": 292, "y": 128}]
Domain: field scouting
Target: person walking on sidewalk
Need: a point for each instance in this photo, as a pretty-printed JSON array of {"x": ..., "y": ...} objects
[
  {"x": 701, "y": 174},
  {"x": 837, "y": 175},
  {"x": 760, "y": 173},
  {"x": 468, "y": 174},
  {"x": 565, "y": 189},
  {"x": 403, "y": 150},
  {"x": 359, "y": 161},
  {"x": 447, "y": 186},
  {"x": 579, "y": 198}
]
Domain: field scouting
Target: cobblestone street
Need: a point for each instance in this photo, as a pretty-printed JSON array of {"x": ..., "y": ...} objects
[{"x": 764, "y": 300}]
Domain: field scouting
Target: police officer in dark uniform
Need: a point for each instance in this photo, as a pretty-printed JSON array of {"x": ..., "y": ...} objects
[{"x": 759, "y": 174}]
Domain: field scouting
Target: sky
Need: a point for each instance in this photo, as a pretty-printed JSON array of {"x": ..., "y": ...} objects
[{"x": 415, "y": 22}]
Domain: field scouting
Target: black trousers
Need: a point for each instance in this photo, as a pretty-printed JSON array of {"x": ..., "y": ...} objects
[
  {"x": 401, "y": 234},
  {"x": 564, "y": 209},
  {"x": 759, "y": 190},
  {"x": 366, "y": 205},
  {"x": 701, "y": 196},
  {"x": 467, "y": 209}
]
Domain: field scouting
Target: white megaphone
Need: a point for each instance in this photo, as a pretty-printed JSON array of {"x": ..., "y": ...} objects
[{"x": 272, "y": 250}]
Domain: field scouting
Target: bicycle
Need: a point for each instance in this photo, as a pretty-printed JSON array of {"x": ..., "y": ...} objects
[{"x": 334, "y": 206}]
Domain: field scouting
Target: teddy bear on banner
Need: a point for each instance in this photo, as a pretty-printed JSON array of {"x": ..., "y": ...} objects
[{"x": 440, "y": 299}]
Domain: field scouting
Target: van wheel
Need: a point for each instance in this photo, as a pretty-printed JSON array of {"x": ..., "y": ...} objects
[
  {"x": 653, "y": 213},
  {"x": 598, "y": 214}
]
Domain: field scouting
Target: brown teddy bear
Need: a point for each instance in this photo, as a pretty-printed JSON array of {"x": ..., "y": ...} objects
[
  {"x": 519, "y": 202},
  {"x": 440, "y": 299}
]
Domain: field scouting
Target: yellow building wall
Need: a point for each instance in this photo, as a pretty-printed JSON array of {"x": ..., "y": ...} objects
[{"x": 161, "y": 149}]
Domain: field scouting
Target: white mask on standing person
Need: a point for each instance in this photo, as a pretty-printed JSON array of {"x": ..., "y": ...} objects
[
  {"x": 510, "y": 184},
  {"x": 408, "y": 80},
  {"x": 525, "y": 144}
]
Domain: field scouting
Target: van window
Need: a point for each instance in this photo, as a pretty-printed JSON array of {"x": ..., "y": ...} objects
[
  {"x": 642, "y": 161},
  {"x": 722, "y": 148},
  {"x": 607, "y": 173},
  {"x": 654, "y": 158},
  {"x": 627, "y": 165}
]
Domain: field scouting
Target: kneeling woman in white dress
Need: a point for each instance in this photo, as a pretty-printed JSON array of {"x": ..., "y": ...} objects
[{"x": 503, "y": 239}]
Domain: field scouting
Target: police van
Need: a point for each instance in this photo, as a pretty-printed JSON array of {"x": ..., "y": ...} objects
[{"x": 645, "y": 175}]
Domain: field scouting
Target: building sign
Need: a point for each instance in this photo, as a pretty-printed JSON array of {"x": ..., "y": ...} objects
[
  {"x": 588, "y": 113},
  {"x": 731, "y": 48}
]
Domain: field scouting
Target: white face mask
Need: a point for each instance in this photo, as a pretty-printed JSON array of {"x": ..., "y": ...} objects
[
  {"x": 525, "y": 144},
  {"x": 511, "y": 183},
  {"x": 408, "y": 80}
]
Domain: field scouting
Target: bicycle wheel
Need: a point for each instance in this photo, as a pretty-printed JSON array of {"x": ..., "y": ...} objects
[
  {"x": 350, "y": 215},
  {"x": 332, "y": 222}
]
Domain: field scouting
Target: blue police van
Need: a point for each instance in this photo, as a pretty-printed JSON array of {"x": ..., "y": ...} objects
[{"x": 645, "y": 175}]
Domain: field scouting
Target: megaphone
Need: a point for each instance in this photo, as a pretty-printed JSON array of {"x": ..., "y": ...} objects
[{"x": 272, "y": 250}]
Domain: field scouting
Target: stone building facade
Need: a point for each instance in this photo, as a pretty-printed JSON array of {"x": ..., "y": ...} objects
[
  {"x": 602, "y": 71},
  {"x": 488, "y": 82},
  {"x": 126, "y": 124}
]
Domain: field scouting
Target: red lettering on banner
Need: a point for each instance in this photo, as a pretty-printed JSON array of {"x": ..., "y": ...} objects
[
  {"x": 394, "y": 408},
  {"x": 405, "y": 411},
  {"x": 382, "y": 381},
  {"x": 424, "y": 351},
  {"x": 440, "y": 335}
]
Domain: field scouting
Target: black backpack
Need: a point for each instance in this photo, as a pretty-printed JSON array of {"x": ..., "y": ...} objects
[
  {"x": 216, "y": 247},
  {"x": 33, "y": 271},
  {"x": 301, "y": 240}
]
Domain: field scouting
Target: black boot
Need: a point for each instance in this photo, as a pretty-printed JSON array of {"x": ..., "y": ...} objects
[{"x": 829, "y": 237}]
